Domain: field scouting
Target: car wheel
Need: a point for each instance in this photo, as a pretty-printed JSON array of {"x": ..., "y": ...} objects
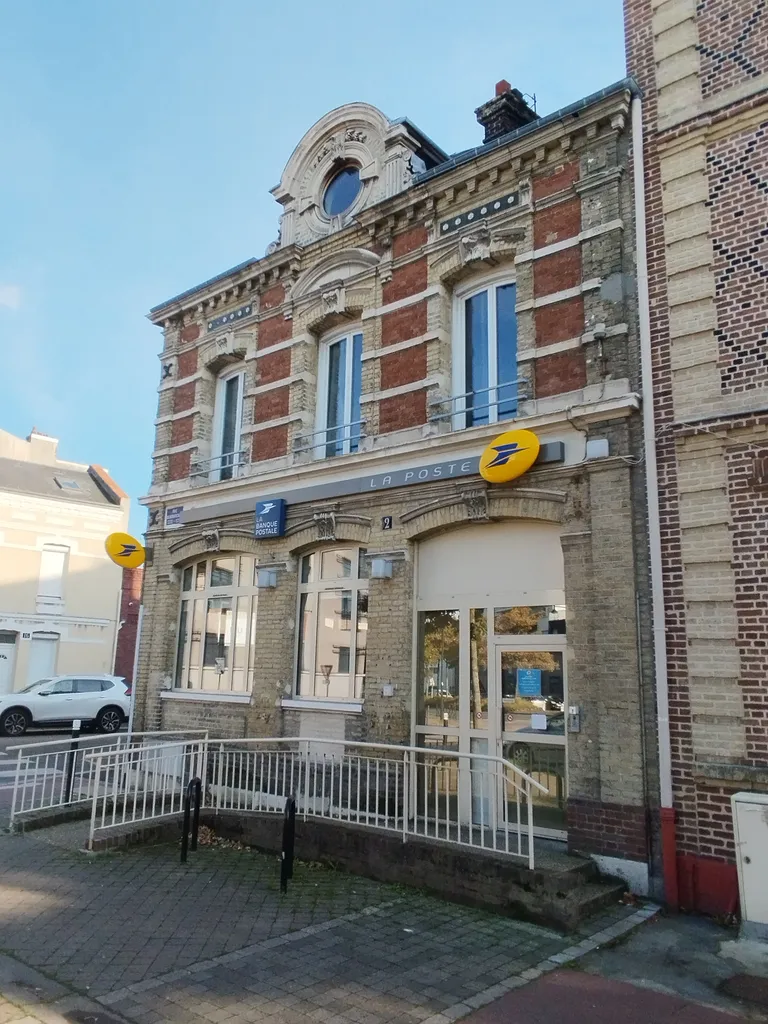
[
  {"x": 109, "y": 719},
  {"x": 14, "y": 722}
]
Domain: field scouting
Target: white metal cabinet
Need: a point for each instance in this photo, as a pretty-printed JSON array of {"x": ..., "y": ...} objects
[{"x": 750, "y": 825}]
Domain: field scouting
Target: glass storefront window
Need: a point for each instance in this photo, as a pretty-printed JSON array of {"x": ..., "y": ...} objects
[
  {"x": 532, "y": 692},
  {"x": 528, "y": 620},
  {"x": 333, "y": 625},
  {"x": 439, "y": 669},
  {"x": 216, "y": 645}
]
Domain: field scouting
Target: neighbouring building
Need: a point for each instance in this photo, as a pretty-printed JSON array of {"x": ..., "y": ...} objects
[
  {"x": 59, "y": 592},
  {"x": 703, "y": 69},
  {"x": 324, "y": 559},
  {"x": 128, "y": 626}
]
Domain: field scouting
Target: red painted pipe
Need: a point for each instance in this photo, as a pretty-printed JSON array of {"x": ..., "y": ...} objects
[{"x": 669, "y": 857}]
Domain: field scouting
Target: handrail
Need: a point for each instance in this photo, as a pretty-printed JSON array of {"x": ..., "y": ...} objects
[
  {"x": 395, "y": 747},
  {"x": 192, "y": 733}
]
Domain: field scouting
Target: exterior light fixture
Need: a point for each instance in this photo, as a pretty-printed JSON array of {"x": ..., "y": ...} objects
[
  {"x": 381, "y": 568},
  {"x": 266, "y": 579}
]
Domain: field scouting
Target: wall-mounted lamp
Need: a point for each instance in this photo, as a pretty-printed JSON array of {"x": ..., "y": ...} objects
[
  {"x": 381, "y": 568},
  {"x": 266, "y": 579}
]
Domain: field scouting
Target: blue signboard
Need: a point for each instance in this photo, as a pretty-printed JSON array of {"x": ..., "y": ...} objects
[
  {"x": 270, "y": 518},
  {"x": 529, "y": 682},
  {"x": 173, "y": 516}
]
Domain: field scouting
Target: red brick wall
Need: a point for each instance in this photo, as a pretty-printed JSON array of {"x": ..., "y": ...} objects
[
  {"x": 191, "y": 332},
  {"x": 559, "y": 373},
  {"x": 555, "y": 180},
  {"x": 130, "y": 599},
  {"x": 270, "y": 405},
  {"x": 557, "y": 272},
  {"x": 640, "y": 64},
  {"x": 402, "y": 411},
  {"x": 556, "y": 223},
  {"x": 405, "y": 323},
  {"x": 738, "y": 192},
  {"x": 274, "y": 366},
  {"x": 560, "y": 321},
  {"x": 749, "y": 533},
  {"x": 182, "y": 430},
  {"x": 187, "y": 363},
  {"x": 408, "y": 280},
  {"x": 273, "y": 297},
  {"x": 274, "y": 329},
  {"x": 184, "y": 397},
  {"x": 614, "y": 830},
  {"x": 408, "y": 241},
  {"x": 270, "y": 443},
  {"x": 733, "y": 42},
  {"x": 178, "y": 465},
  {"x": 403, "y": 367}
]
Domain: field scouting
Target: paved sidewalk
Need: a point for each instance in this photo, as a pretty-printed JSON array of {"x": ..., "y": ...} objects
[{"x": 147, "y": 940}]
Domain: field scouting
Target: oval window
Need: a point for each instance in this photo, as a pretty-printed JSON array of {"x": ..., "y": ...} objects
[{"x": 342, "y": 190}]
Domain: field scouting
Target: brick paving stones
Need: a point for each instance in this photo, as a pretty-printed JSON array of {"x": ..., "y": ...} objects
[{"x": 149, "y": 940}]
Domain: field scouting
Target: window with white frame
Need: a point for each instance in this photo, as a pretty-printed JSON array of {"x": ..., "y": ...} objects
[
  {"x": 332, "y": 624},
  {"x": 217, "y": 625},
  {"x": 53, "y": 562},
  {"x": 339, "y": 427},
  {"x": 227, "y": 425},
  {"x": 485, "y": 354}
]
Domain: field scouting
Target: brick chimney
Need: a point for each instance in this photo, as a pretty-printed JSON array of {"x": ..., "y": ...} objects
[{"x": 505, "y": 112}]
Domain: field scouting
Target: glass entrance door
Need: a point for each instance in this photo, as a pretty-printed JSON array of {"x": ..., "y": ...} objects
[
  {"x": 532, "y": 690},
  {"x": 485, "y": 688}
]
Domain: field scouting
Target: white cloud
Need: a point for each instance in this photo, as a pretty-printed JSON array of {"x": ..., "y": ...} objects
[{"x": 10, "y": 296}]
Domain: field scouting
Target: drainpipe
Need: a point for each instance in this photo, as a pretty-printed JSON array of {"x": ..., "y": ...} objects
[{"x": 668, "y": 837}]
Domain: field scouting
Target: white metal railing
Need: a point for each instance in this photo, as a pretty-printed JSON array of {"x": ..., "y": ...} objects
[
  {"x": 473, "y": 800},
  {"x": 337, "y": 440},
  {"x": 227, "y": 466},
  {"x": 57, "y": 773},
  {"x": 477, "y": 405}
]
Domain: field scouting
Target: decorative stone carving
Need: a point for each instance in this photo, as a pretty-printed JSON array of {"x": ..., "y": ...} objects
[
  {"x": 475, "y": 246},
  {"x": 476, "y": 504},
  {"x": 211, "y": 540},
  {"x": 333, "y": 300},
  {"x": 325, "y": 521}
]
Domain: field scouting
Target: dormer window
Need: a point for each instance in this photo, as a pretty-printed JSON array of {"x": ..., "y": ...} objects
[{"x": 342, "y": 190}]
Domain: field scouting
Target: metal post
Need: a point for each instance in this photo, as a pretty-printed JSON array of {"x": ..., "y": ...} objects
[
  {"x": 289, "y": 835},
  {"x": 192, "y": 788},
  {"x": 73, "y": 747}
]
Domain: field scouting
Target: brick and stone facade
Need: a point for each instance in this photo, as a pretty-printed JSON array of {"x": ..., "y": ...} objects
[
  {"x": 549, "y": 206},
  {"x": 703, "y": 69}
]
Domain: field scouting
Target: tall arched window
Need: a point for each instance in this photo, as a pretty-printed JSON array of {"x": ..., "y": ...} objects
[
  {"x": 217, "y": 625},
  {"x": 340, "y": 367},
  {"x": 485, "y": 353},
  {"x": 227, "y": 456},
  {"x": 332, "y": 624}
]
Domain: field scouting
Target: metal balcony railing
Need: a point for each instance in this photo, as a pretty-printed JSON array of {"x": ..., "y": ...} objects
[
  {"x": 485, "y": 405},
  {"x": 330, "y": 441},
  {"x": 222, "y": 467}
]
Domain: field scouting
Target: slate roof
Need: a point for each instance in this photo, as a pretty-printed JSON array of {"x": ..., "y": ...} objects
[{"x": 40, "y": 480}]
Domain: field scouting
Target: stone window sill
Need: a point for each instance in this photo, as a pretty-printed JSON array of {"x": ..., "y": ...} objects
[
  {"x": 347, "y": 707},
  {"x": 206, "y": 695}
]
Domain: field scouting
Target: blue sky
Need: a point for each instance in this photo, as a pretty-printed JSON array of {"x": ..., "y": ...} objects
[{"x": 140, "y": 141}]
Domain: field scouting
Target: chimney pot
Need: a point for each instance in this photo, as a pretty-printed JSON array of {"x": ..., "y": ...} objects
[{"x": 502, "y": 87}]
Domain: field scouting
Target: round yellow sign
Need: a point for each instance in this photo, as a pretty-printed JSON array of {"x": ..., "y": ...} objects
[
  {"x": 508, "y": 456},
  {"x": 125, "y": 550}
]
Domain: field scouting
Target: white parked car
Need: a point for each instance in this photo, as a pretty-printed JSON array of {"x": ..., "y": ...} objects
[{"x": 101, "y": 700}]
